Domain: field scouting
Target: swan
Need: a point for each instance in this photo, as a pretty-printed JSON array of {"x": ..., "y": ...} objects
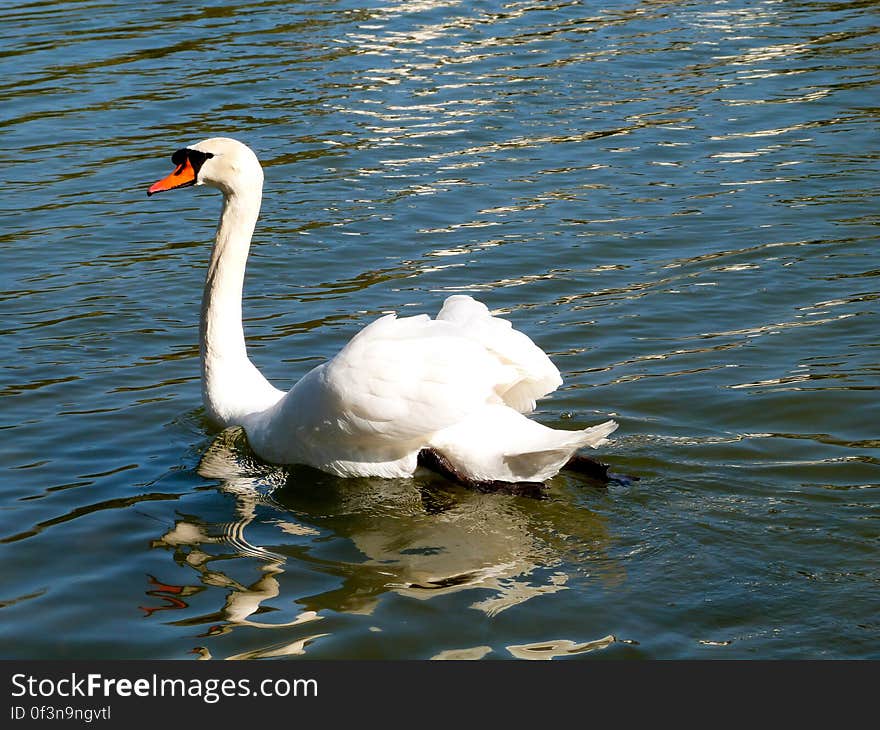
[{"x": 450, "y": 393}]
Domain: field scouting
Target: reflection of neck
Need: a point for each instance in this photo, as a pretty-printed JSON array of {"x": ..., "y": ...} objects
[{"x": 231, "y": 386}]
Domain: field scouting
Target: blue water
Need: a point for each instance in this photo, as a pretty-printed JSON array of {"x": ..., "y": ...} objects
[{"x": 676, "y": 200}]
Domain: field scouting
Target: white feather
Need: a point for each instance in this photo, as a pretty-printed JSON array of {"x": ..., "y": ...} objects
[{"x": 537, "y": 375}]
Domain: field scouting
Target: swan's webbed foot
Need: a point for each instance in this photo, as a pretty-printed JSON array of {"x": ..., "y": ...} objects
[
  {"x": 436, "y": 462},
  {"x": 597, "y": 471},
  {"x": 591, "y": 468}
]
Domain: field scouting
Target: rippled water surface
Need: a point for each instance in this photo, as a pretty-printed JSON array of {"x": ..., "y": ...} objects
[{"x": 676, "y": 200}]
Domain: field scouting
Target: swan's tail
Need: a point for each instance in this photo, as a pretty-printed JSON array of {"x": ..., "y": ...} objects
[{"x": 499, "y": 444}]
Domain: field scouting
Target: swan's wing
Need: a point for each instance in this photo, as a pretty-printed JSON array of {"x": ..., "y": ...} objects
[
  {"x": 409, "y": 377},
  {"x": 536, "y": 375},
  {"x": 404, "y": 379}
]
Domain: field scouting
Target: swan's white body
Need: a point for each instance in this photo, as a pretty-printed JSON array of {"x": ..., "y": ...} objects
[{"x": 458, "y": 384}]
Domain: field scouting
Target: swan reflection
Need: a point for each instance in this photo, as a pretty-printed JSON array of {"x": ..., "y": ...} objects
[{"x": 357, "y": 540}]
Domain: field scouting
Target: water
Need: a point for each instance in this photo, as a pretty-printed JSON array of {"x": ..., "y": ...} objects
[{"x": 677, "y": 201}]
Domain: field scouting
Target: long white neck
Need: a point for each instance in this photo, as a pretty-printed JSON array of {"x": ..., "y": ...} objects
[{"x": 232, "y": 387}]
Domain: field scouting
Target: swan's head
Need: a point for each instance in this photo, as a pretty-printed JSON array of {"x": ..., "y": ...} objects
[{"x": 221, "y": 162}]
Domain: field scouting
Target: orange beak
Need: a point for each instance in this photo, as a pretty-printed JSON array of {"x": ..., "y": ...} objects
[{"x": 183, "y": 175}]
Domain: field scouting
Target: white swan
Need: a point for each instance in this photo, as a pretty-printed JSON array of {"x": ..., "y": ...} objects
[{"x": 455, "y": 387}]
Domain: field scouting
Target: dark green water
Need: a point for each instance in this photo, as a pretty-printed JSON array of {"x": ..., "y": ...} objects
[{"x": 676, "y": 200}]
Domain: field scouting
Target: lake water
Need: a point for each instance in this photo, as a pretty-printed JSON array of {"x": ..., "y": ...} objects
[{"x": 676, "y": 200}]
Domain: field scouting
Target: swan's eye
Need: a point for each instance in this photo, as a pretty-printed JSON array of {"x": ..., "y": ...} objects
[{"x": 196, "y": 157}]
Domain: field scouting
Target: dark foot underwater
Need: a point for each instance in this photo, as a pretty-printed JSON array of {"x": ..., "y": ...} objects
[{"x": 597, "y": 472}]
